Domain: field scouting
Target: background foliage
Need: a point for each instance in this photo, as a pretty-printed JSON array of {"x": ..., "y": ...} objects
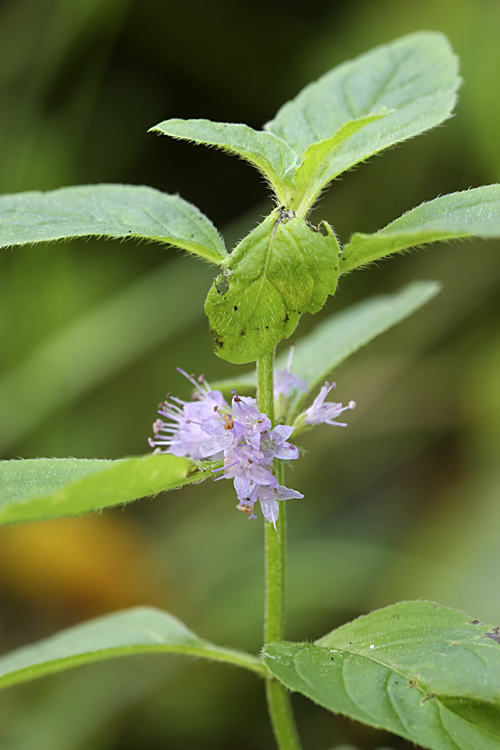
[{"x": 403, "y": 504}]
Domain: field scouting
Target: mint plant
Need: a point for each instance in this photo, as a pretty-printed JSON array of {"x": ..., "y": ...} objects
[{"x": 425, "y": 672}]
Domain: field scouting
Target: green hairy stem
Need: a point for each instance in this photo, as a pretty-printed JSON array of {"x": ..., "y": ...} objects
[{"x": 278, "y": 698}]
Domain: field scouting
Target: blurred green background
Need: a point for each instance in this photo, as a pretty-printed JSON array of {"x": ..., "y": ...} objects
[{"x": 403, "y": 504}]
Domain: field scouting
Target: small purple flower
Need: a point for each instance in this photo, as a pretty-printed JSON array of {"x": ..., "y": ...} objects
[
  {"x": 183, "y": 435},
  {"x": 246, "y": 413},
  {"x": 320, "y": 412},
  {"x": 224, "y": 433},
  {"x": 244, "y": 466},
  {"x": 273, "y": 445},
  {"x": 285, "y": 383},
  {"x": 268, "y": 495}
]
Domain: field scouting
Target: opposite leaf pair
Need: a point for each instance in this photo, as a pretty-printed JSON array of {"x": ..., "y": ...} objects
[
  {"x": 285, "y": 266},
  {"x": 425, "y": 672}
]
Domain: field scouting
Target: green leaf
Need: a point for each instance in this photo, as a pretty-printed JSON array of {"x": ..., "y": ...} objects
[
  {"x": 425, "y": 672},
  {"x": 40, "y": 488},
  {"x": 281, "y": 270},
  {"x": 141, "y": 630},
  {"x": 416, "y": 76},
  {"x": 119, "y": 211},
  {"x": 319, "y": 165},
  {"x": 470, "y": 213},
  {"x": 342, "y": 334},
  {"x": 271, "y": 155}
]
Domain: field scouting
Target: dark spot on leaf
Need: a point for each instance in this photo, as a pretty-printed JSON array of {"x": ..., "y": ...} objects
[
  {"x": 475, "y": 622},
  {"x": 494, "y": 635},
  {"x": 243, "y": 333},
  {"x": 267, "y": 327},
  {"x": 413, "y": 682},
  {"x": 429, "y": 697},
  {"x": 217, "y": 342},
  {"x": 284, "y": 215},
  {"x": 235, "y": 309},
  {"x": 287, "y": 318}
]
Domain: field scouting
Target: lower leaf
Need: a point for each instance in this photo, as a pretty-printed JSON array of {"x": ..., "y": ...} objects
[
  {"x": 422, "y": 671},
  {"x": 142, "y": 630}
]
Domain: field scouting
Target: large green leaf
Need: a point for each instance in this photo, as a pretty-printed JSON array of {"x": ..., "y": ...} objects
[
  {"x": 40, "y": 488},
  {"x": 425, "y": 672},
  {"x": 318, "y": 167},
  {"x": 281, "y": 270},
  {"x": 270, "y": 154},
  {"x": 343, "y": 333},
  {"x": 470, "y": 213},
  {"x": 119, "y": 211},
  {"x": 142, "y": 630},
  {"x": 416, "y": 76}
]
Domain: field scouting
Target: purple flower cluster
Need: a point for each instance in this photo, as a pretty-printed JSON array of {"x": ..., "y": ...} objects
[{"x": 239, "y": 434}]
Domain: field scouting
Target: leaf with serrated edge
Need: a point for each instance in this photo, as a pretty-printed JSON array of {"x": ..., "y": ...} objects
[
  {"x": 342, "y": 334},
  {"x": 416, "y": 76},
  {"x": 425, "y": 672},
  {"x": 270, "y": 154},
  {"x": 118, "y": 211},
  {"x": 40, "y": 488},
  {"x": 141, "y": 630},
  {"x": 470, "y": 213},
  {"x": 281, "y": 270},
  {"x": 316, "y": 171}
]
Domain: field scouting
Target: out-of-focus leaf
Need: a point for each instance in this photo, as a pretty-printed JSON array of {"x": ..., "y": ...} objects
[
  {"x": 470, "y": 213},
  {"x": 416, "y": 76},
  {"x": 71, "y": 713},
  {"x": 270, "y": 154},
  {"x": 40, "y": 488},
  {"x": 279, "y": 271},
  {"x": 425, "y": 672},
  {"x": 118, "y": 211},
  {"x": 316, "y": 170},
  {"x": 93, "y": 348},
  {"x": 342, "y": 334},
  {"x": 141, "y": 630}
]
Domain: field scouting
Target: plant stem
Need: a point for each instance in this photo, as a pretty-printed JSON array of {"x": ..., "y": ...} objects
[
  {"x": 265, "y": 385},
  {"x": 278, "y": 699}
]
